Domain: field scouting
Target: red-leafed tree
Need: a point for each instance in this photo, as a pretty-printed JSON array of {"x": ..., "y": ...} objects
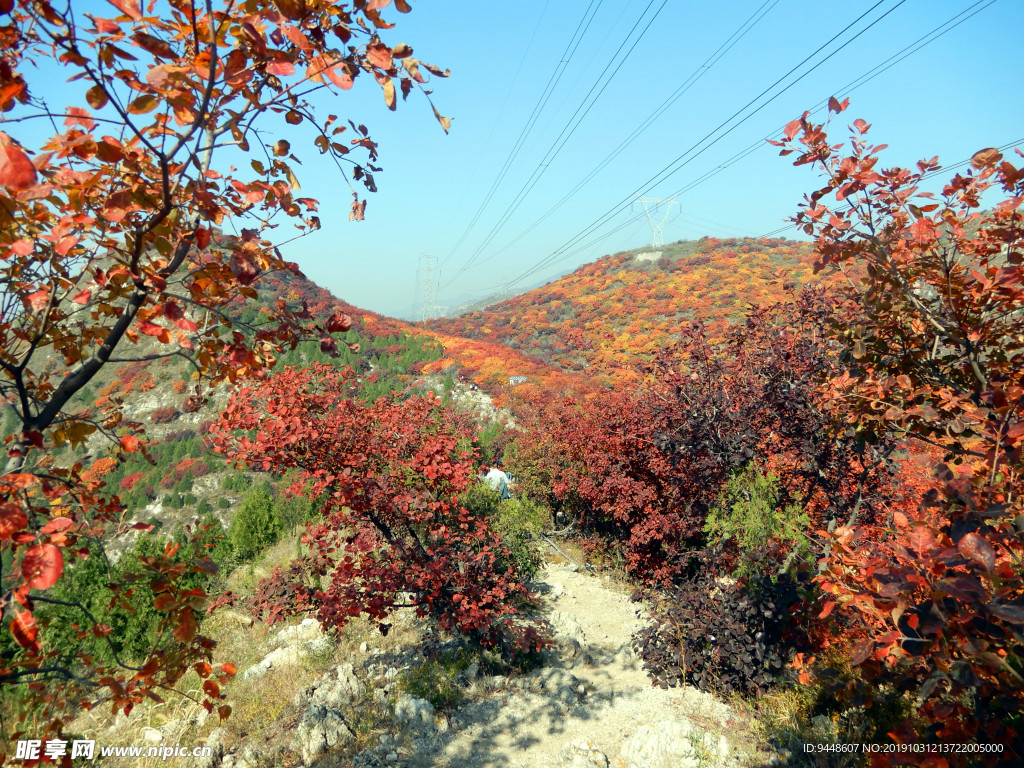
[
  {"x": 934, "y": 327},
  {"x": 649, "y": 466},
  {"x": 393, "y": 533},
  {"x": 110, "y": 252}
]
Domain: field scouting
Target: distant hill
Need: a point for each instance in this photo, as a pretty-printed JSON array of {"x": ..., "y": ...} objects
[{"x": 612, "y": 313}]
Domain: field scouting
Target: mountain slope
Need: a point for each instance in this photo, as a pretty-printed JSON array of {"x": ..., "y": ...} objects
[{"x": 612, "y": 313}]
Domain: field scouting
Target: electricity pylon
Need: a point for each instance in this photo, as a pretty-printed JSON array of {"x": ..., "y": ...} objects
[
  {"x": 650, "y": 206},
  {"x": 428, "y": 273}
]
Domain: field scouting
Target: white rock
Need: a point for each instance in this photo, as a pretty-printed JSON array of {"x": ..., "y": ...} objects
[
  {"x": 414, "y": 713},
  {"x": 320, "y": 729},
  {"x": 671, "y": 744},
  {"x": 307, "y": 629},
  {"x": 288, "y": 656},
  {"x": 582, "y": 754}
]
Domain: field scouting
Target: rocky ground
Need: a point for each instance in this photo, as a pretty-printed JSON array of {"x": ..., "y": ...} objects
[
  {"x": 589, "y": 706},
  {"x": 592, "y": 705}
]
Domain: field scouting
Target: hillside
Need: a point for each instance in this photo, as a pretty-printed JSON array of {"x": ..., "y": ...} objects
[{"x": 614, "y": 312}]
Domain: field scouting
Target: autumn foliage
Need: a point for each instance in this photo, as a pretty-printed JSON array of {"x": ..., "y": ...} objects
[
  {"x": 112, "y": 255},
  {"x": 611, "y": 315},
  {"x": 393, "y": 532},
  {"x": 646, "y": 467},
  {"x": 934, "y": 604}
]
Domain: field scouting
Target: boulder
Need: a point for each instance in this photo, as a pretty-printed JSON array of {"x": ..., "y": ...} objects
[
  {"x": 413, "y": 713},
  {"x": 307, "y": 629},
  {"x": 337, "y": 689},
  {"x": 320, "y": 729}
]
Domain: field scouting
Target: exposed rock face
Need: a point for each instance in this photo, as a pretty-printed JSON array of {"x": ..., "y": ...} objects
[
  {"x": 293, "y": 645},
  {"x": 304, "y": 631},
  {"x": 672, "y": 744},
  {"x": 320, "y": 729},
  {"x": 415, "y": 714},
  {"x": 337, "y": 689}
]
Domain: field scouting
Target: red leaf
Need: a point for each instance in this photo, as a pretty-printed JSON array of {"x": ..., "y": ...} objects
[
  {"x": 281, "y": 68},
  {"x": 791, "y": 129},
  {"x": 150, "y": 329},
  {"x": 187, "y": 627},
  {"x": 24, "y": 629},
  {"x": 921, "y": 537},
  {"x": 379, "y": 55},
  {"x": 861, "y": 651},
  {"x": 211, "y": 688},
  {"x": 975, "y": 547},
  {"x": 37, "y": 301},
  {"x": 244, "y": 270},
  {"x": 985, "y": 158},
  {"x": 16, "y": 169},
  {"x": 130, "y": 443},
  {"x": 12, "y": 520},
  {"x": 77, "y": 115},
  {"x": 339, "y": 322},
  {"x": 56, "y": 525},
  {"x": 42, "y": 566},
  {"x": 202, "y": 238},
  {"x": 339, "y": 75},
  {"x": 129, "y": 8}
]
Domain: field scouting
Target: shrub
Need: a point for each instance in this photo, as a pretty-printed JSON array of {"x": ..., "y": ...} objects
[
  {"x": 723, "y": 635},
  {"x": 256, "y": 526},
  {"x": 751, "y": 518},
  {"x": 437, "y": 680},
  {"x": 128, "y": 482},
  {"x": 518, "y": 521},
  {"x": 164, "y": 415}
]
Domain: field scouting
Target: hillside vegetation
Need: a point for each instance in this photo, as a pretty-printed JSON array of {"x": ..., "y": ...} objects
[
  {"x": 813, "y": 486},
  {"x": 612, "y": 314}
]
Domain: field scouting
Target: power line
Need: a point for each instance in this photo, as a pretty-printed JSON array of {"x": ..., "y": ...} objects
[
  {"x": 633, "y": 135},
  {"x": 566, "y": 133},
  {"x": 871, "y": 74},
  {"x": 677, "y": 164},
  {"x": 927, "y": 39},
  {"x": 531, "y": 121},
  {"x": 501, "y": 110}
]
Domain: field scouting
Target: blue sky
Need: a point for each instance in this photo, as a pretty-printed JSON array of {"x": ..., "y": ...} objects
[{"x": 950, "y": 98}]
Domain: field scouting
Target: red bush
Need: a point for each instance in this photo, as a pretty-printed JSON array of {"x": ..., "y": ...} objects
[
  {"x": 164, "y": 415},
  {"x": 128, "y": 482},
  {"x": 393, "y": 531}
]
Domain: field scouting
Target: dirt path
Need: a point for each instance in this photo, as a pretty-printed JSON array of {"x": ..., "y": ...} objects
[{"x": 593, "y": 706}]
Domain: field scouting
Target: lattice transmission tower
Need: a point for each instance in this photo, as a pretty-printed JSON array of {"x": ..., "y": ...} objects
[
  {"x": 428, "y": 277},
  {"x": 651, "y": 206}
]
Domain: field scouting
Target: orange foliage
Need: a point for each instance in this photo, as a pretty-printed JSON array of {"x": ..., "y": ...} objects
[{"x": 610, "y": 315}]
